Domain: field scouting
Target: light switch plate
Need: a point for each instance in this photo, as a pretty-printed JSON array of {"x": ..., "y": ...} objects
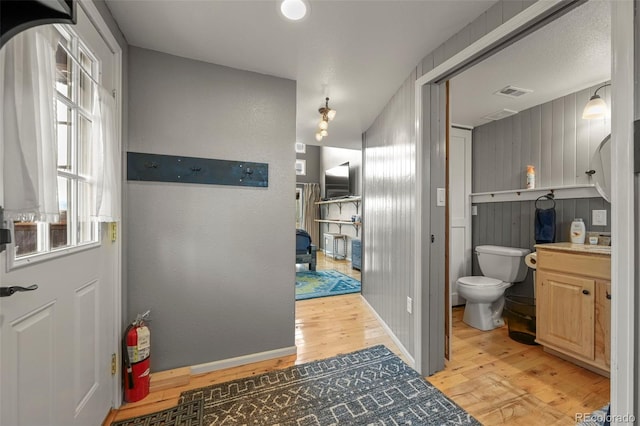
[
  {"x": 441, "y": 197},
  {"x": 599, "y": 218},
  {"x": 474, "y": 210}
]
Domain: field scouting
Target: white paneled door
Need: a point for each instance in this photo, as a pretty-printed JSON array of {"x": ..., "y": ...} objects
[
  {"x": 56, "y": 342},
  {"x": 459, "y": 209}
]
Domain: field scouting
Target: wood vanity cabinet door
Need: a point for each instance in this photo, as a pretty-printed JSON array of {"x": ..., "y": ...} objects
[
  {"x": 603, "y": 323},
  {"x": 565, "y": 314}
]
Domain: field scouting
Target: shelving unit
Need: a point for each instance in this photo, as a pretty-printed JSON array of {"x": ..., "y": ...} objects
[{"x": 339, "y": 222}]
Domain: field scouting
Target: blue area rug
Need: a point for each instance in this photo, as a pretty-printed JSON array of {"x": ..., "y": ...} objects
[{"x": 312, "y": 284}]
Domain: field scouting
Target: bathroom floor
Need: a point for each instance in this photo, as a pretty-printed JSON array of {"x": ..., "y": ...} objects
[{"x": 501, "y": 381}]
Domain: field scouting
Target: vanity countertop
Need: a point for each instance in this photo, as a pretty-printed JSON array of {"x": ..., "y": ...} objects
[{"x": 576, "y": 248}]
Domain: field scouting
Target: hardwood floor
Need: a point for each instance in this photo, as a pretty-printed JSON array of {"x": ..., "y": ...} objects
[{"x": 497, "y": 380}]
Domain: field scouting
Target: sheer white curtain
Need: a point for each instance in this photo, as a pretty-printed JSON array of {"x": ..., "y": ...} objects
[
  {"x": 106, "y": 156},
  {"x": 27, "y": 125},
  {"x": 311, "y": 196}
]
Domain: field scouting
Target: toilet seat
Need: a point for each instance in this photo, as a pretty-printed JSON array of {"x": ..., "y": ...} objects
[{"x": 476, "y": 281}]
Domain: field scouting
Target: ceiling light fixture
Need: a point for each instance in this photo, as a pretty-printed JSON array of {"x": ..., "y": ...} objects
[
  {"x": 327, "y": 114},
  {"x": 596, "y": 107},
  {"x": 294, "y": 10}
]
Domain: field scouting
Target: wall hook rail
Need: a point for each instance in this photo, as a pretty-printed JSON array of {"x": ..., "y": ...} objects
[{"x": 208, "y": 171}]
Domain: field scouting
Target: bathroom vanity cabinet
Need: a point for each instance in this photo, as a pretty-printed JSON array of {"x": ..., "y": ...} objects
[{"x": 573, "y": 303}]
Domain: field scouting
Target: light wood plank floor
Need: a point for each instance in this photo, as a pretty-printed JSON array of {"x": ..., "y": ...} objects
[{"x": 497, "y": 380}]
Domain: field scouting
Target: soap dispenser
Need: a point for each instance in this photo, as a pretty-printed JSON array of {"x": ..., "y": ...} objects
[{"x": 578, "y": 231}]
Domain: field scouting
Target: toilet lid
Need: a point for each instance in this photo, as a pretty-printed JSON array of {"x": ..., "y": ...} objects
[{"x": 479, "y": 281}]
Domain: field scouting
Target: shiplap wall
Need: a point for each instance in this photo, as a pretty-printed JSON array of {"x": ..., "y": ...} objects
[
  {"x": 553, "y": 137},
  {"x": 389, "y": 173},
  {"x": 389, "y": 213},
  {"x": 559, "y": 143}
]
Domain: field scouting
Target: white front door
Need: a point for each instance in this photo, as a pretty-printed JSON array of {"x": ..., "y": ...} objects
[
  {"x": 56, "y": 342},
  {"x": 459, "y": 209}
]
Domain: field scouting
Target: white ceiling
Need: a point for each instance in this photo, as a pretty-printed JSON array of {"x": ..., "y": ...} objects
[
  {"x": 356, "y": 52},
  {"x": 570, "y": 54}
]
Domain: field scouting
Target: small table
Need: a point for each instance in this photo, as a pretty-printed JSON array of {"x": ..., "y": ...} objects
[{"x": 335, "y": 239}]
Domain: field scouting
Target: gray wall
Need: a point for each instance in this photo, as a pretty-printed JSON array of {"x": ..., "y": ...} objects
[
  {"x": 390, "y": 143},
  {"x": 559, "y": 143},
  {"x": 213, "y": 263},
  {"x": 312, "y": 158}
]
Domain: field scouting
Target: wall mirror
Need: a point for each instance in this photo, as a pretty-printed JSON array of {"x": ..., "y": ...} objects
[{"x": 601, "y": 168}]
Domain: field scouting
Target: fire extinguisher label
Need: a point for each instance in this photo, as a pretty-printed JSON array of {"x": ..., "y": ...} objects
[
  {"x": 142, "y": 350},
  {"x": 144, "y": 343}
]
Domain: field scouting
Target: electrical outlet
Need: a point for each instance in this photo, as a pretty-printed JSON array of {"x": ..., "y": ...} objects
[
  {"x": 409, "y": 304},
  {"x": 599, "y": 218}
]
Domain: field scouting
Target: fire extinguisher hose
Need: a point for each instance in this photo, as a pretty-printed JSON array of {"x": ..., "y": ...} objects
[{"x": 125, "y": 355}]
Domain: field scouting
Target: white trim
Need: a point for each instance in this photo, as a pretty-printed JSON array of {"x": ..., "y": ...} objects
[
  {"x": 105, "y": 32},
  {"x": 33, "y": 259},
  {"x": 417, "y": 286},
  {"x": 386, "y": 328},
  {"x": 242, "y": 360},
  {"x": 622, "y": 211},
  {"x": 521, "y": 20},
  {"x": 559, "y": 193}
]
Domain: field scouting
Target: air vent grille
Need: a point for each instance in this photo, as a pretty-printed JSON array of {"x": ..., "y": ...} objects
[
  {"x": 512, "y": 92},
  {"x": 499, "y": 115}
]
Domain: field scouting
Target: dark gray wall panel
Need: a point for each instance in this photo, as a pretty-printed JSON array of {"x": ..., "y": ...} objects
[
  {"x": 312, "y": 158},
  {"x": 512, "y": 224}
]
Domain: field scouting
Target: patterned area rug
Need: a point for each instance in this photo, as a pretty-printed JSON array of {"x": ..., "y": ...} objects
[
  {"x": 187, "y": 414},
  {"x": 368, "y": 387},
  {"x": 597, "y": 418},
  {"x": 312, "y": 284}
]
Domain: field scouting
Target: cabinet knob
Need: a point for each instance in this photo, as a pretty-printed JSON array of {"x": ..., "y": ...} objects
[
  {"x": 608, "y": 295},
  {"x": 586, "y": 292}
]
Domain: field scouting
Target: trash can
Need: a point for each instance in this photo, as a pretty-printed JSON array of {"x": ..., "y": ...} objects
[{"x": 520, "y": 313}]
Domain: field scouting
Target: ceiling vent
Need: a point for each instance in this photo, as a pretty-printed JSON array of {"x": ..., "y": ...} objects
[
  {"x": 499, "y": 115},
  {"x": 512, "y": 92}
]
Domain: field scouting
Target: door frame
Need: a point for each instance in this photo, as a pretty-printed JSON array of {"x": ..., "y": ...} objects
[
  {"x": 623, "y": 227},
  {"x": 101, "y": 25}
]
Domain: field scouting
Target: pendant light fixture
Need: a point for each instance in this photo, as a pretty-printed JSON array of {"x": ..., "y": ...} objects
[
  {"x": 326, "y": 115},
  {"x": 596, "y": 107}
]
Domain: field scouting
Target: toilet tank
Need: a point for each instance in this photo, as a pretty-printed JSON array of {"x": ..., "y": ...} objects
[{"x": 503, "y": 263}]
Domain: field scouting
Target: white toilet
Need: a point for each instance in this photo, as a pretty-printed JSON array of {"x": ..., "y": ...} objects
[{"x": 501, "y": 266}]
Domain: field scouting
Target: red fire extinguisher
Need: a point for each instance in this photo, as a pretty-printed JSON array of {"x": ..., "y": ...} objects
[{"x": 136, "y": 352}]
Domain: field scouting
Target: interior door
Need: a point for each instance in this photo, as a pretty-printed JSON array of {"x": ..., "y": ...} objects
[
  {"x": 56, "y": 342},
  {"x": 459, "y": 209}
]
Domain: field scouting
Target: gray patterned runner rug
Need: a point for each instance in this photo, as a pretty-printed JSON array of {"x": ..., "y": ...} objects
[{"x": 368, "y": 387}]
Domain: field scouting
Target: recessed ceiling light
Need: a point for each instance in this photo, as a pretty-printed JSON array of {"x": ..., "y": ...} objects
[{"x": 294, "y": 9}]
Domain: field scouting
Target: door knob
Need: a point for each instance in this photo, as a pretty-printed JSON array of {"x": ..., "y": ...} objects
[{"x": 8, "y": 291}]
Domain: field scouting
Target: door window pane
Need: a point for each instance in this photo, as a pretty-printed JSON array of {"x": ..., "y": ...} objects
[
  {"x": 84, "y": 146},
  {"x": 59, "y": 232},
  {"x": 26, "y": 238},
  {"x": 63, "y": 114},
  {"x": 85, "y": 225},
  {"x": 63, "y": 72},
  {"x": 86, "y": 85}
]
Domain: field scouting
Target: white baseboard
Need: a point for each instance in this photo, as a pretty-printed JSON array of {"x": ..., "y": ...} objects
[
  {"x": 242, "y": 360},
  {"x": 395, "y": 339}
]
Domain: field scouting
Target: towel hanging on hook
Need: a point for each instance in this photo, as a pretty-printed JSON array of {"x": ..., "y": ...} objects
[{"x": 545, "y": 221}]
